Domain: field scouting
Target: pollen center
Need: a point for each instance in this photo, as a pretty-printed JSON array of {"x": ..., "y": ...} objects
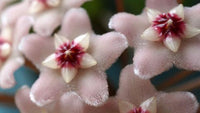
[
  {"x": 138, "y": 110},
  {"x": 167, "y": 24},
  {"x": 69, "y": 55}
]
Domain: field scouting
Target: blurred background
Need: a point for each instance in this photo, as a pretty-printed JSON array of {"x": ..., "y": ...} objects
[{"x": 100, "y": 12}]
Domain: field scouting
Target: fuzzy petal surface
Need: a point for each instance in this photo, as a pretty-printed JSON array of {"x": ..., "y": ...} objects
[
  {"x": 151, "y": 60},
  {"x": 188, "y": 56},
  {"x": 92, "y": 86},
  {"x": 24, "y": 103},
  {"x": 75, "y": 23},
  {"x": 134, "y": 89},
  {"x": 161, "y": 5},
  {"x": 47, "y": 22},
  {"x": 37, "y": 48},
  {"x": 48, "y": 88},
  {"x": 130, "y": 25},
  {"x": 177, "y": 102},
  {"x": 107, "y": 53}
]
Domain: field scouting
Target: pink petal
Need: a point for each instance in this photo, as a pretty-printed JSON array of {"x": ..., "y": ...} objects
[
  {"x": 130, "y": 25},
  {"x": 24, "y": 103},
  {"x": 111, "y": 106},
  {"x": 177, "y": 102},
  {"x": 48, "y": 88},
  {"x": 75, "y": 23},
  {"x": 12, "y": 14},
  {"x": 69, "y": 103},
  {"x": 188, "y": 55},
  {"x": 161, "y": 5},
  {"x": 20, "y": 31},
  {"x": 189, "y": 15},
  {"x": 7, "y": 71},
  {"x": 92, "y": 86},
  {"x": 105, "y": 48},
  {"x": 132, "y": 88},
  {"x": 37, "y": 48},
  {"x": 151, "y": 60},
  {"x": 47, "y": 22}
]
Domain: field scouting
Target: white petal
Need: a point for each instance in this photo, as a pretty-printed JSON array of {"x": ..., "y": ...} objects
[
  {"x": 51, "y": 62},
  {"x": 191, "y": 31},
  {"x": 150, "y": 105},
  {"x": 125, "y": 107},
  {"x": 59, "y": 40},
  {"x": 172, "y": 43},
  {"x": 150, "y": 34},
  {"x": 53, "y": 3},
  {"x": 179, "y": 10},
  {"x": 68, "y": 74},
  {"x": 152, "y": 14},
  {"x": 6, "y": 33},
  {"x": 36, "y": 7},
  {"x": 83, "y": 40},
  {"x": 87, "y": 61},
  {"x": 5, "y": 49}
]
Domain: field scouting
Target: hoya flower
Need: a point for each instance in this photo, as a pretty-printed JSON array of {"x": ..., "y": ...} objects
[
  {"x": 10, "y": 57},
  {"x": 51, "y": 10},
  {"x": 139, "y": 96},
  {"x": 68, "y": 103},
  {"x": 11, "y": 14},
  {"x": 163, "y": 35},
  {"x": 136, "y": 95},
  {"x": 74, "y": 60}
]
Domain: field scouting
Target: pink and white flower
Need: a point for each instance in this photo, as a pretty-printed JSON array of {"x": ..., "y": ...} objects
[
  {"x": 81, "y": 59},
  {"x": 51, "y": 10},
  {"x": 135, "y": 95},
  {"x": 10, "y": 57},
  {"x": 165, "y": 34}
]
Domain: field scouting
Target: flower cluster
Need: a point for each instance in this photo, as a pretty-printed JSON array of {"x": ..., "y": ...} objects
[{"x": 72, "y": 59}]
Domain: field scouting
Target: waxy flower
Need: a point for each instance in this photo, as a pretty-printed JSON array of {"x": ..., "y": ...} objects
[
  {"x": 163, "y": 35},
  {"x": 51, "y": 10},
  {"x": 12, "y": 13},
  {"x": 10, "y": 57},
  {"x": 70, "y": 55},
  {"x": 136, "y": 95},
  {"x": 77, "y": 56}
]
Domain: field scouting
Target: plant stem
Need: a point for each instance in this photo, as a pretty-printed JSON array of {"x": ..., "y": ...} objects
[{"x": 119, "y": 5}]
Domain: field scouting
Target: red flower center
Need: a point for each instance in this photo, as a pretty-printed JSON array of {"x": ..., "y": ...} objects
[
  {"x": 169, "y": 25},
  {"x": 69, "y": 55},
  {"x": 138, "y": 110}
]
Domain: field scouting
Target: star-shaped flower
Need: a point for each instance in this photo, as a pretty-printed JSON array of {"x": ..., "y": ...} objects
[
  {"x": 10, "y": 57},
  {"x": 89, "y": 83},
  {"x": 70, "y": 56},
  {"x": 163, "y": 35},
  {"x": 51, "y": 10},
  {"x": 135, "y": 95}
]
